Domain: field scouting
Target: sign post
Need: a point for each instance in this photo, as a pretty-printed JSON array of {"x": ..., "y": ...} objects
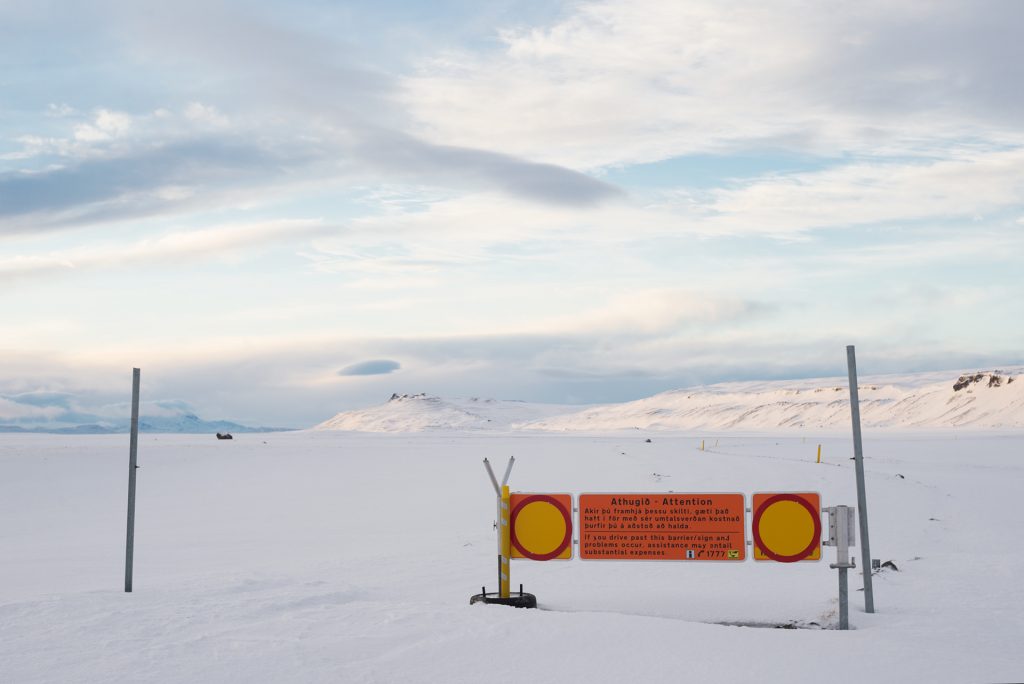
[
  {"x": 862, "y": 499},
  {"x": 840, "y": 535},
  {"x": 504, "y": 533},
  {"x": 133, "y": 458},
  {"x": 502, "y": 524}
]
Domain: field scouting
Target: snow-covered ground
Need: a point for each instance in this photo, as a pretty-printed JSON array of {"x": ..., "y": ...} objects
[
  {"x": 350, "y": 557},
  {"x": 974, "y": 399}
]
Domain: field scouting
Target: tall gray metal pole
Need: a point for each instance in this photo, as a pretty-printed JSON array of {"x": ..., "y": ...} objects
[
  {"x": 133, "y": 457},
  {"x": 862, "y": 502}
]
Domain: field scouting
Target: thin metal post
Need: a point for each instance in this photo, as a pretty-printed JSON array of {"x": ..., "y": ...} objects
[
  {"x": 504, "y": 542},
  {"x": 494, "y": 481},
  {"x": 844, "y": 610},
  {"x": 862, "y": 503},
  {"x": 840, "y": 520},
  {"x": 133, "y": 458},
  {"x": 508, "y": 470}
]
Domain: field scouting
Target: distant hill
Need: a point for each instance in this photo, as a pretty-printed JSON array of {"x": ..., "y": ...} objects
[
  {"x": 186, "y": 423},
  {"x": 980, "y": 399},
  {"x": 985, "y": 399},
  {"x": 421, "y": 412}
]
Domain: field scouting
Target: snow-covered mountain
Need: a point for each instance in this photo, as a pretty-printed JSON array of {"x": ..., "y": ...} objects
[
  {"x": 183, "y": 423},
  {"x": 86, "y": 413},
  {"x": 983, "y": 399},
  {"x": 990, "y": 399},
  {"x": 421, "y": 412}
]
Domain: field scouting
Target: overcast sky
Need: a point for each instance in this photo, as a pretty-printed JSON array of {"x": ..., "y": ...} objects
[{"x": 280, "y": 210}]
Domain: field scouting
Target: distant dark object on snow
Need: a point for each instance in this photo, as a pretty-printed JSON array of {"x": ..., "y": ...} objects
[
  {"x": 226, "y": 435},
  {"x": 422, "y": 395},
  {"x": 648, "y": 440}
]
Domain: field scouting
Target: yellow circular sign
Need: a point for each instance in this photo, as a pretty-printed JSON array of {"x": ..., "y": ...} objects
[
  {"x": 540, "y": 527},
  {"x": 786, "y": 528}
]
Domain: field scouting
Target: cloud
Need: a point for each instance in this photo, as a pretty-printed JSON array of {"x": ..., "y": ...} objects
[
  {"x": 968, "y": 183},
  {"x": 375, "y": 367},
  {"x": 163, "y": 172},
  {"x": 49, "y": 409},
  {"x": 480, "y": 244},
  {"x": 630, "y": 81},
  {"x": 18, "y": 412},
  {"x": 403, "y": 155},
  {"x": 463, "y": 230},
  {"x": 42, "y": 407},
  {"x": 601, "y": 376},
  {"x": 297, "y": 381},
  {"x": 209, "y": 243},
  {"x": 43, "y": 399},
  {"x": 658, "y": 310},
  {"x": 304, "y": 109},
  {"x": 162, "y": 408},
  {"x": 107, "y": 126},
  {"x": 144, "y": 181},
  {"x": 206, "y": 114},
  {"x": 60, "y": 110}
]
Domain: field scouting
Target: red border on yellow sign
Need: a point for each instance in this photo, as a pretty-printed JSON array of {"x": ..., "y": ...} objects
[
  {"x": 563, "y": 504},
  {"x": 811, "y": 501}
]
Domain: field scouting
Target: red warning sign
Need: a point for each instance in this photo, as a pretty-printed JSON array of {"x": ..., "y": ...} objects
[
  {"x": 787, "y": 526},
  {"x": 541, "y": 526},
  {"x": 705, "y": 527}
]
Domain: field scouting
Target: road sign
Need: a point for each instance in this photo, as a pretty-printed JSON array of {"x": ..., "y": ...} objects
[
  {"x": 787, "y": 526},
  {"x": 542, "y": 526},
  {"x": 666, "y": 526}
]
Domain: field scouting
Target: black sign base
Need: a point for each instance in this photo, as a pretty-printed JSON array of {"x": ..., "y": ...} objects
[{"x": 516, "y": 600}]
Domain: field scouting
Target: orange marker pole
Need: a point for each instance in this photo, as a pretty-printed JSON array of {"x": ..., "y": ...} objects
[{"x": 506, "y": 544}]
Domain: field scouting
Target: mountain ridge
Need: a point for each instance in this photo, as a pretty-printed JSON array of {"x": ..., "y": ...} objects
[
  {"x": 979, "y": 399},
  {"x": 187, "y": 423}
]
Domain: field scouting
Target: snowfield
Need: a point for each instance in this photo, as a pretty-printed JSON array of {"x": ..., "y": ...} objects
[{"x": 330, "y": 556}]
